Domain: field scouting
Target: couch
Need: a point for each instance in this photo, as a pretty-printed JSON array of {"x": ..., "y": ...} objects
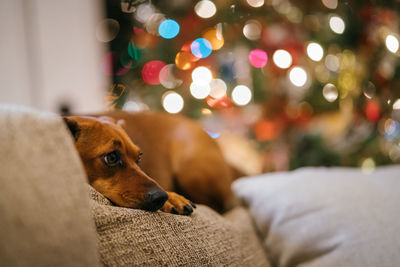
[{"x": 50, "y": 216}]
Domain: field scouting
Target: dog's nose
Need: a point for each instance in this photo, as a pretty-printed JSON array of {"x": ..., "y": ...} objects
[{"x": 156, "y": 199}]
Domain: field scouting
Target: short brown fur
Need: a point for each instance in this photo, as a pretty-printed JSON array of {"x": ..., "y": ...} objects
[{"x": 177, "y": 154}]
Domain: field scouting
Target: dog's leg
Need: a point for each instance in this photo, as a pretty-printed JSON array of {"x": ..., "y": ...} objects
[{"x": 178, "y": 204}]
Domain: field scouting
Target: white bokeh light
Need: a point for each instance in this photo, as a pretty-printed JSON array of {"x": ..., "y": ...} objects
[
  {"x": 337, "y": 24},
  {"x": 392, "y": 43},
  {"x": 255, "y": 3},
  {"x": 172, "y": 102},
  {"x": 330, "y": 92},
  {"x": 396, "y": 104},
  {"x": 241, "y": 95},
  {"x": 332, "y": 63},
  {"x": 202, "y": 74},
  {"x": 205, "y": 9},
  {"x": 252, "y": 30},
  {"x": 315, "y": 51},
  {"x": 282, "y": 59},
  {"x": 332, "y": 4},
  {"x": 298, "y": 76},
  {"x": 200, "y": 89},
  {"x": 144, "y": 12},
  {"x": 218, "y": 88}
]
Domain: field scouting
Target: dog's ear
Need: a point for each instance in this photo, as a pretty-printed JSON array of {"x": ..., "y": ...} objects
[
  {"x": 73, "y": 127},
  {"x": 121, "y": 123}
]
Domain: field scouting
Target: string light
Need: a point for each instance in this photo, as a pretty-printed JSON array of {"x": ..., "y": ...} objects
[
  {"x": 332, "y": 62},
  {"x": 168, "y": 29},
  {"x": 282, "y": 59},
  {"x": 205, "y": 9},
  {"x": 241, "y": 95},
  {"x": 258, "y": 58},
  {"x": 368, "y": 166},
  {"x": 255, "y": 3},
  {"x": 172, "y": 102},
  {"x": 167, "y": 77},
  {"x": 337, "y": 24},
  {"x": 392, "y": 43},
  {"x": 217, "y": 88},
  {"x": 331, "y": 4},
  {"x": 151, "y": 72},
  {"x": 215, "y": 37},
  {"x": 202, "y": 74},
  {"x": 200, "y": 89},
  {"x": 252, "y": 30},
  {"x": 330, "y": 92},
  {"x": 298, "y": 76},
  {"x": 201, "y": 48},
  {"x": 396, "y": 104},
  {"x": 315, "y": 51}
]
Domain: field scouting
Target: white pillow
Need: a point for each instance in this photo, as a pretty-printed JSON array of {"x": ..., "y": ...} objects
[{"x": 327, "y": 216}]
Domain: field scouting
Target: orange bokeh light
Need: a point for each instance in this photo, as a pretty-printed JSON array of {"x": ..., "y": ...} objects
[
  {"x": 214, "y": 37},
  {"x": 185, "y": 60}
]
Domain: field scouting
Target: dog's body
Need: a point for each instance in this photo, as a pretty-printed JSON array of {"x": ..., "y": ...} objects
[{"x": 178, "y": 155}]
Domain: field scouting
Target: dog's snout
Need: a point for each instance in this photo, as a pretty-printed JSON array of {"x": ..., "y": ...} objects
[{"x": 156, "y": 199}]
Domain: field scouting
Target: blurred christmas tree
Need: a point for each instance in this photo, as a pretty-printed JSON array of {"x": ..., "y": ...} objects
[{"x": 311, "y": 82}]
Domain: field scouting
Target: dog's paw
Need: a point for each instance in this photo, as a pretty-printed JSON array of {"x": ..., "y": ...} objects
[{"x": 177, "y": 204}]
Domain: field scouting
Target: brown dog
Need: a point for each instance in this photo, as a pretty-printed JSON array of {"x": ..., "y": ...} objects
[{"x": 174, "y": 151}]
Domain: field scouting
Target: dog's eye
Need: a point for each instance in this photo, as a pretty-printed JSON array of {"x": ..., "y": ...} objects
[
  {"x": 112, "y": 159},
  {"x": 139, "y": 158}
]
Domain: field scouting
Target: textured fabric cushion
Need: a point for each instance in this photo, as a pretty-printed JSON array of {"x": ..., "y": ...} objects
[
  {"x": 327, "y": 217},
  {"x": 44, "y": 207},
  {"x": 129, "y": 237}
]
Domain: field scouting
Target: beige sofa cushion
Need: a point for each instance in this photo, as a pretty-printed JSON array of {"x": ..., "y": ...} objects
[
  {"x": 327, "y": 217},
  {"x": 129, "y": 237},
  {"x": 44, "y": 206}
]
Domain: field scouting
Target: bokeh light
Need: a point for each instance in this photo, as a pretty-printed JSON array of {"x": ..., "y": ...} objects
[
  {"x": 107, "y": 30},
  {"x": 369, "y": 90},
  {"x": 201, "y": 48},
  {"x": 255, "y": 3},
  {"x": 215, "y": 37},
  {"x": 332, "y": 63},
  {"x": 153, "y": 23},
  {"x": 217, "y": 88},
  {"x": 331, "y": 4},
  {"x": 252, "y": 30},
  {"x": 184, "y": 60},
  {"x": 315, "y": 51},
  {"x": 167, "y": 77},
  {"x": 298, "y": 76},
  {"x": 372, "y": 110},
  {"x": 151, "y": 72},
  {"x": 282, "y": 59},
  {"x": 205, "y": 9},
  {"x": 241, "y": 95},
  {"x": 172, "y": 102},
  {"x": 392, "y": 129},
  {"x": 330, "y": 92},
  {"x": 392, "y": 43},
  {"x": 368, "y": 166},
  {"x": 168, "y": 29},
  {"x": 200, "y": 89},
  {"x": 201, "y": 74},
  {"x": 144, "y": 12},
  {"x": 258, "y": 58},
  {"x": 337, "y": 24},
  {"x": 396, "y": 104}
]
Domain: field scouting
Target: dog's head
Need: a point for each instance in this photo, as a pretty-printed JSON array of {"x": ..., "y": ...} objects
[{"x": 111, "y": 161}]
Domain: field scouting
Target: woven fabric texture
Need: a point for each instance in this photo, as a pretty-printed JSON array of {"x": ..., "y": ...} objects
[
  {"x": 44, "y": 207},
  {"x": 129, "y": 237}
]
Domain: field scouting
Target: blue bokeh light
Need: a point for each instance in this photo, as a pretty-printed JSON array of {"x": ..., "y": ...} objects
[
  {"x": 168, "y": 29},
  {"x": 201, "y": 48}
]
